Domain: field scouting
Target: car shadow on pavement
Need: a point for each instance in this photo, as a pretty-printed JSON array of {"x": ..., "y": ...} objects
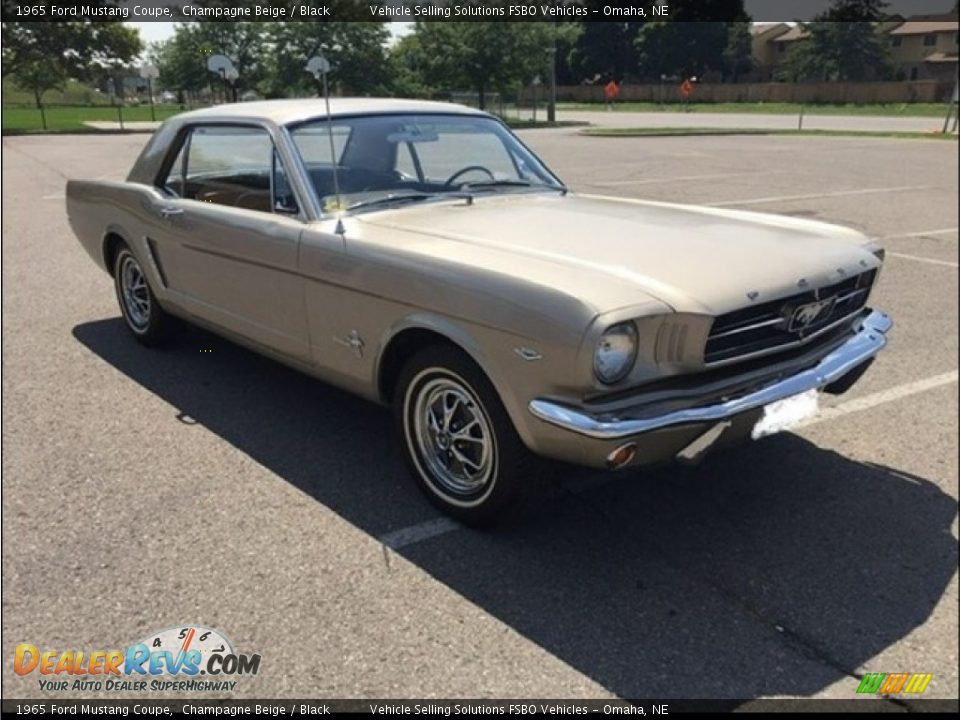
[{"x": 777, "y": 568}]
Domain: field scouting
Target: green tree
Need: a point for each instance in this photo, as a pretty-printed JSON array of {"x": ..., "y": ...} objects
[
  {"x": 356, "y": 51},
  {"x": 841, "y": 44},
  {"x": 606, "y": 49},
  {"x": 407, "y": 68},
  {"x": 182, "y": 60},
  {"x": 484, "y": 56},
  {"x": 42, "y": 56},
  {"x": 700, "y": 36},
  {"x": 738, "y": 53}
]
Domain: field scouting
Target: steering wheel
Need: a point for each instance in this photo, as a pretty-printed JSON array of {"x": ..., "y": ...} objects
[{"x": 464, "y": 171}]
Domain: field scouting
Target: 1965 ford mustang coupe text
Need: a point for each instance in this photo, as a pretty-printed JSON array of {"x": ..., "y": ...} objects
[{"x": 420, "y": 255}]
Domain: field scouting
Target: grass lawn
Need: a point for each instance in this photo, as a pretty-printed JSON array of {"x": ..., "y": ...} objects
[
  {"x": 680, "y": 131},
  {"x": 892, "y": 110},
  {"x": 63, "y": 119}
]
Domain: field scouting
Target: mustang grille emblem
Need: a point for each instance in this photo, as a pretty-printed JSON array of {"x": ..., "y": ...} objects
[{"x": 806, "y": 316}]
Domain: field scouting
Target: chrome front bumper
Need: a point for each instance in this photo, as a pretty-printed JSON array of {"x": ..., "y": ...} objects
[{"x": 869, "y": 339}]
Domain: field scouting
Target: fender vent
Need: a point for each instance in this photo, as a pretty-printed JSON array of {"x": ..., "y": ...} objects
[
  {"x": 671, "y": 342},
  {"x": 154, "y": 258}
]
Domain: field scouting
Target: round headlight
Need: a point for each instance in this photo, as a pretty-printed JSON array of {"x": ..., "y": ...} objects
[{"x": 615, "y": 353}]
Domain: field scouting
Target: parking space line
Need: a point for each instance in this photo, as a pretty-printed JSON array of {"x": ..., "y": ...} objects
[
  {"x": 920, "y": 233},
  {"x": 897, "y": 392},
  {"x": 916, "y": 258},
  {"x": 812, "y": 196},
  {"x": 417, "y": 533},
  {"x": 428, "y": 529}
]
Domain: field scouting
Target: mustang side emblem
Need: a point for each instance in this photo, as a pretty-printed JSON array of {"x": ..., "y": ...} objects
[{"x": 810, "y": 314}]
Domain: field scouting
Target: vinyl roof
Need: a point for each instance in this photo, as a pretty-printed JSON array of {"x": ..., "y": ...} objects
[{"x": 283, "y": 112}]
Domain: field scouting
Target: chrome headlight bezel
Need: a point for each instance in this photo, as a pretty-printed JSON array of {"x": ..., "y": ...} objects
[{"x": 615, "y": 353}]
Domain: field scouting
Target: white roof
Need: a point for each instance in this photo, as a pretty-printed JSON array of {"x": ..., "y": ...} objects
[{"x": 282, "y": 112}]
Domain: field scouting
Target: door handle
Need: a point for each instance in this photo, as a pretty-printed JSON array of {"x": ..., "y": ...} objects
[{"x": 169, "y": 212}]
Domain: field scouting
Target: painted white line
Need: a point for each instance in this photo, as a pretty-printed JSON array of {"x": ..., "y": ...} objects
[
  {"x": 897, "y": 392},
  {"x": 915, "y": 258},
  {"x": 56, "y": 196},
  {"x": 418, "y": 533},
  {"x": 812, "y": 196},
  {"x": 404, "y": 537},
  {"x": 942, "y": 231}
]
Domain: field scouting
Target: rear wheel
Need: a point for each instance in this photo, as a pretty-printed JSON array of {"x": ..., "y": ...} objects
[
  {"x": 459, "y": 442},
  {"x": 144, "y": 317}
]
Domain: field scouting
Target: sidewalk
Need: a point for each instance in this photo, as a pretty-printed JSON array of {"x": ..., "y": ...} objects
[
  {"x": 614, "y": 118},
  {"x": 134, "y": 125}
]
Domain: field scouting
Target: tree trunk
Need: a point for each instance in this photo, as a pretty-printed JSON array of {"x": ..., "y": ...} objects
[{"x": 481, "y": 96}]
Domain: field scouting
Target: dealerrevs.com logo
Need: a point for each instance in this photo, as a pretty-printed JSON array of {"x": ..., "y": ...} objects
[{"x": 190, "y": 658}]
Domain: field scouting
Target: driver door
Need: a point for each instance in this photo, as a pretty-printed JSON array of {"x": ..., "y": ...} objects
[{"x": 227, "y": 234}]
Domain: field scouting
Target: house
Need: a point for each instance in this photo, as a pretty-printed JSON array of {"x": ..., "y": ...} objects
[
  {"x": 782, "y": 44},
  {"x": 764, "y": 51},
  {"x": 924, "y": 47}
]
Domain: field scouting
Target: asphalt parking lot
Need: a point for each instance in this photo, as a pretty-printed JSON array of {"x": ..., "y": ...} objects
[{"x": 204, "y": 484}]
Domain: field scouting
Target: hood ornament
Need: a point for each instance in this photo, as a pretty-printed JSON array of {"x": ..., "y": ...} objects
[{"x": 753, "y": 294}]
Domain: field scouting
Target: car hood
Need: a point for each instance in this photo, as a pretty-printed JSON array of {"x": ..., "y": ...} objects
[{"x": 612, "y": 251}]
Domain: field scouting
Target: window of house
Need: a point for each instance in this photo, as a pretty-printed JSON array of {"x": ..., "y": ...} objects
[
  {"x": 897, "y": 41},
  {"x": 929, "y": 40},
  {"x": 234, "y": 166}
]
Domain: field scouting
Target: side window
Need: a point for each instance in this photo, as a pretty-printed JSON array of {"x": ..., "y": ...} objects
[
  {"x": 174, "y": 182},
  {"x": 230, "y": 166},
  {"x": 233, "y": 166}
]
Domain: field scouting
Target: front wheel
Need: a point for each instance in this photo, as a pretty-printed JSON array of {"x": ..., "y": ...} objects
[
  {"x": 458, "y": 440},
  {"x": 144, "y": 317}
]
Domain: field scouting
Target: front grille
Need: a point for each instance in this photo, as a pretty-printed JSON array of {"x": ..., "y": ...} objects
[{"x": 786, "y": 322}]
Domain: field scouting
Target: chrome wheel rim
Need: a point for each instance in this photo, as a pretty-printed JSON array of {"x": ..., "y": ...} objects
[
  {"x": 136, "y": 295},
  {"x": 454, "y": 437}
]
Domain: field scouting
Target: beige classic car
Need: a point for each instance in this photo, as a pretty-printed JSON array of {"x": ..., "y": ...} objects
[{"x": 420, "y": 255}]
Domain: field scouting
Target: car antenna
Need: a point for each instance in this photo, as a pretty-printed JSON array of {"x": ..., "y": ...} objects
[{"x": 319, "y": 66}]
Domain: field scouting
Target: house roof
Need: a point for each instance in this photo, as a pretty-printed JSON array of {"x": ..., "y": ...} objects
[
  {"x": 768, "y": 28},
  {"x": 927, "y": 24},
  {"x": 795, "y": 33}
]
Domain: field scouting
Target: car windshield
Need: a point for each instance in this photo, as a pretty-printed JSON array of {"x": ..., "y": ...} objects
[{"x": 393, "y": 159}]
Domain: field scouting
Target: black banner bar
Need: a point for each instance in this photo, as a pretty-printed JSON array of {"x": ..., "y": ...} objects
[
  {"x": 459, "y": 708},
  {"x": 437, "y": 10}
]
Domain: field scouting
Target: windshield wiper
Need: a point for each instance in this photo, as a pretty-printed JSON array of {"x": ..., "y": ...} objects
[
  {"x": 412, "y": 197},
  {"x": 391, "y": 198},
  {"x": 480, "y": 184},
  {"x": 485, "y": 184}
]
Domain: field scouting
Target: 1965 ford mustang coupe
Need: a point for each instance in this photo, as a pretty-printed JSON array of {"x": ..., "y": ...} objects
[{"x": 420, "y": 255}]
